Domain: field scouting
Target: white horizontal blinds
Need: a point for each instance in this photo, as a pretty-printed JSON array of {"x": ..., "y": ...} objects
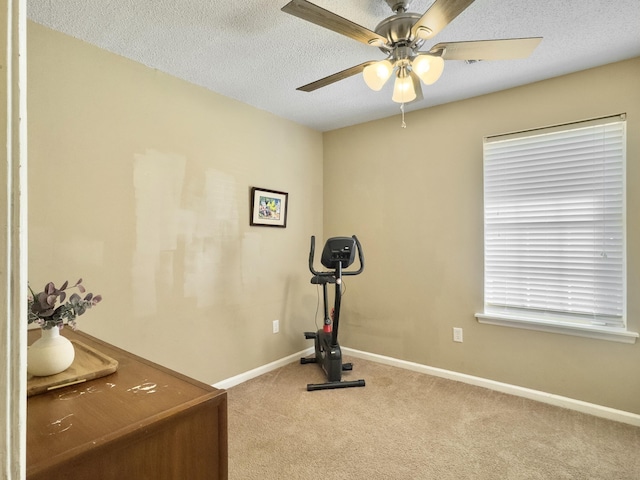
[{"x": 554, "y": 225}]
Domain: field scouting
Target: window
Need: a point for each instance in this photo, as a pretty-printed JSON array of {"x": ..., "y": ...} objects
[{"x": 554, "y": 222}]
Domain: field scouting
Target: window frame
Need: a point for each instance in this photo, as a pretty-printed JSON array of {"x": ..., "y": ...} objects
[{"x": 555, "y": 322}]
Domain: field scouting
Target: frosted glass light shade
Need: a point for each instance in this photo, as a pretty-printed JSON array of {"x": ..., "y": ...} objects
[
  {"x": 403, "y": 91},
  {"x": 428, "y": 68},
  {"x": 377, "y": 74}
]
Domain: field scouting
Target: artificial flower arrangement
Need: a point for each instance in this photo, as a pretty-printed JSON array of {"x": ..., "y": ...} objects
[{"x": 48, "y": 308}]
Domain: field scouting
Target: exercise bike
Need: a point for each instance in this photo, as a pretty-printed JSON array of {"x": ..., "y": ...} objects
[{"x": 338, "y": 253}]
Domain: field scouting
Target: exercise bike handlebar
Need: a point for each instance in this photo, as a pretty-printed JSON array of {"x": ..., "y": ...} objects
[
  {"x": 360, "y": 259},
  {"x": 353, "y": 272}
]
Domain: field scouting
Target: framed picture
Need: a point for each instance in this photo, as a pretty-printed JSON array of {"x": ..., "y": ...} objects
[{"x": 268, "y": 207}]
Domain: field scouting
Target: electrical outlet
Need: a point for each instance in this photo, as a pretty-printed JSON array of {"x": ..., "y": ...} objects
[
  {"x": 276, "y": 326},
  {"x": 457, "y": 334}
]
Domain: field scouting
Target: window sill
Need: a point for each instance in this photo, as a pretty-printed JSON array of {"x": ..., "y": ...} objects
[{"x": 589, "y": 331}]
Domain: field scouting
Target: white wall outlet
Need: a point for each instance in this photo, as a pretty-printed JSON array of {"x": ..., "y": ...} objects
[
  {"x": 276, "y": 326},
  {"x": 457, "y": 334}
]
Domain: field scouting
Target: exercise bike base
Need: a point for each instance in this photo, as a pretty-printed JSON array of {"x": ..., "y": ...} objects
[{"x": 330, "y": 385}]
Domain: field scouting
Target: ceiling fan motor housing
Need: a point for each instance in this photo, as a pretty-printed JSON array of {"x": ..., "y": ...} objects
[{"x": 397, "y": 30}]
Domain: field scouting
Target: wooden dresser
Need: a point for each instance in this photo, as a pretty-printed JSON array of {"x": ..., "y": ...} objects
[{"x": 143, "y": 422}]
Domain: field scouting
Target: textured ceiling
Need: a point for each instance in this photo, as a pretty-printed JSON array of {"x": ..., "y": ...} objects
[{"x": 251, "y": 51}]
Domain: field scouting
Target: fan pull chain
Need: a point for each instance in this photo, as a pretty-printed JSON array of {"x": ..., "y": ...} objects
[{"x": 402, "y": 125}]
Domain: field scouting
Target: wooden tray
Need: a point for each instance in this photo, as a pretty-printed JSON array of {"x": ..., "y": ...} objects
[{"x": 87, "y": 365}]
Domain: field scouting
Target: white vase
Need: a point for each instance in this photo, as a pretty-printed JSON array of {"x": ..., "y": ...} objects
[{"x": 50, "y": 354}]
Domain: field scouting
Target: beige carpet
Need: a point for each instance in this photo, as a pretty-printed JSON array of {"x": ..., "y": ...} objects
[{"x": 407, "y": 425}]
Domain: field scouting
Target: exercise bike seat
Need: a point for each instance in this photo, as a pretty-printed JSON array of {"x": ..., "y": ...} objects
[{"x": 322, "y": 279}]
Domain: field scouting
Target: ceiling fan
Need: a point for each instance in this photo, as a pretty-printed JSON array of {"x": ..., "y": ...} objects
[{"x": 400, "y": 37}]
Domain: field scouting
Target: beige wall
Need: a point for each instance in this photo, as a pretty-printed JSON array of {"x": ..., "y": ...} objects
[
  {"x": 414, "y": 198},
  {"x": 140, "y": 184}
]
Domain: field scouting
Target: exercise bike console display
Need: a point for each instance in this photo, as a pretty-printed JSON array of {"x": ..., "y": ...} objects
[
  {"x": 339, "y": 249},
  {"x": 339, "y": 253}
]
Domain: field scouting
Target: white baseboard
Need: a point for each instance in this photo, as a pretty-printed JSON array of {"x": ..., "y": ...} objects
[
  {"x": 256, "y": 372},
  {"x": 549, "y": 398}
]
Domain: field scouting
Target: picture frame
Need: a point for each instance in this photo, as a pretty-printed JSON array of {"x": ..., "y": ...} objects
[{"x": 269, "y": 208}]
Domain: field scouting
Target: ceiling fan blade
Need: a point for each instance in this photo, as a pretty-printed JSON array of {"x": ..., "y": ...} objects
[
  {"x": 506, "y": 49},
  {"x": 438, "y": 16},
  {"x": 336, "y": 77},
  {"x": 314, "y": 14}
]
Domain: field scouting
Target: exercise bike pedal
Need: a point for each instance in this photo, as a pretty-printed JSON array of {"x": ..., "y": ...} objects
[
  {"x": 310, "y": 335},
  {"x": 347, "y": 367}
]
